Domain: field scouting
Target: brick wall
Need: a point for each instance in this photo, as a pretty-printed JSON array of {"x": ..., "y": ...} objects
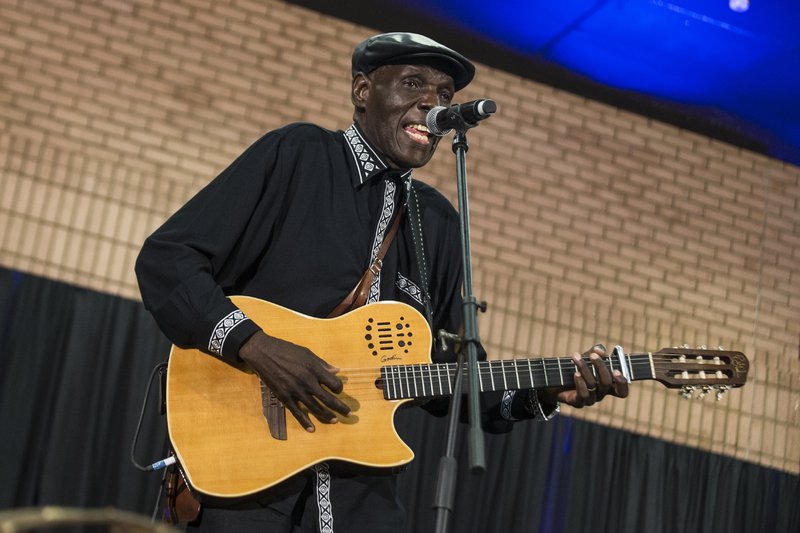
[{"x": 589, "y": 223}]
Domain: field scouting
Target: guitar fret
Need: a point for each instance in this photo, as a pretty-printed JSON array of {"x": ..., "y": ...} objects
[
  {"x": 543, "y": 364},
  {"x": 491, "y": 377},
  {"x": 516, "y": 373},
  {"x": 387, "y": 391},
  {"x": 530, "y": 373},
  {"x": 449, "y": 383},
  {"x": 439, "y": 377},
  {"x": 480, "y": 377},
  {"x": 629, "y": 376},
  {"x": 560, "y": 371},
  {"x": 503, "y": 370},
  {"x": 414, "y": 378}
]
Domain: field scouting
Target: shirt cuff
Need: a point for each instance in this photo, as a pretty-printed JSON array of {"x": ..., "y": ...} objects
[
  {"x": 526, "y": 406},
  {"x": 537, "y": 410},
  {"x": 230, "y": 333}
]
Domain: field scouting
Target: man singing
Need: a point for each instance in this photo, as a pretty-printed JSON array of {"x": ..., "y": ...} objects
[{"x": 297, "y": 219}]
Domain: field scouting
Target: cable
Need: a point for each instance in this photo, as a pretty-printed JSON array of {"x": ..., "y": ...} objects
[{"x": 159, "y": 369}]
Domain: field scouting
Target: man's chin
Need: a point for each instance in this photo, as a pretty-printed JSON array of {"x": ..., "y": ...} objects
[{"x": 418, "y": 161}]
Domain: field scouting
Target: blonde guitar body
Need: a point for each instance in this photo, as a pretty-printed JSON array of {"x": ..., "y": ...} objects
[{"x": 215, "y": 410}]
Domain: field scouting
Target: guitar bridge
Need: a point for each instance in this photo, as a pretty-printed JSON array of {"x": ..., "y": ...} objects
[{"x": 274, "y": 412}]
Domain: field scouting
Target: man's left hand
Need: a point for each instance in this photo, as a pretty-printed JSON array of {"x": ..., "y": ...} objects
[{"x": 590, "y": 386}]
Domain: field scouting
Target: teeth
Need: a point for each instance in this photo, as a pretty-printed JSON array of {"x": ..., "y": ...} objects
[
  {"x": 419, "y": 132},
  {"x": 420, "y": 127}
]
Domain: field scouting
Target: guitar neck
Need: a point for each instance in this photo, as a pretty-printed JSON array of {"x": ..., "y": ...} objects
[
  {"x": 431, "y": 380},
  {"x": 682, "y": 368}
]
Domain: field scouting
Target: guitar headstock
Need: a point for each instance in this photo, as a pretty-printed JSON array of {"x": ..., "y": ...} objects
[{"x": 692, "y": 369}]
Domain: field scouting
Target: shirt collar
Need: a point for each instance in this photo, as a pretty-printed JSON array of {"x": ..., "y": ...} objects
[{"x": 367, "y": 161}]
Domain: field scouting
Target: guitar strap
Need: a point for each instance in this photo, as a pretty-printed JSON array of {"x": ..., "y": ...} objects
[
  {"x": 180, "y": 506},
  {"x": 358, "y": 296}
]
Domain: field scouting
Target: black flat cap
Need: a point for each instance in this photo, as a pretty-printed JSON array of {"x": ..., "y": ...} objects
[{"x": 401, "y": 48}]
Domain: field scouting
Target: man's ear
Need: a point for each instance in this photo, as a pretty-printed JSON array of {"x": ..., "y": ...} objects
[{"x": 360, "y": 91}]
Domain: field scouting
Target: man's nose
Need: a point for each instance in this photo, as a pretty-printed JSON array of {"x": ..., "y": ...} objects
[{"x": 429, "y": 99}]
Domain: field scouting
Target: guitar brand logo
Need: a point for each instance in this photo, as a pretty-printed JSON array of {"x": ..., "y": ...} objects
[{"x": 740, "y": 364}]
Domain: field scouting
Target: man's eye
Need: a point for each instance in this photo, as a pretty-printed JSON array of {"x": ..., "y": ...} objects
[{"x": 445, "y": 97}]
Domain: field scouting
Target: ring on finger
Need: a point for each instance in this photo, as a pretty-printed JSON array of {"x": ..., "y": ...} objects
[{"x": 592, "y": 389}]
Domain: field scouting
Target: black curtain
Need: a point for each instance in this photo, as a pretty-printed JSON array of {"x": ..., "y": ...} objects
[{"x": 74, "y": 367}]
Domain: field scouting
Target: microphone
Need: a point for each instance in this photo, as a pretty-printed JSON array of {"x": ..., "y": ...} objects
[{"x": 441, "y": 120}]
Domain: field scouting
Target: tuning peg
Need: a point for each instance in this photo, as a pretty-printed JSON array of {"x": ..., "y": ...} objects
[
  {"x": 704, "y": 391},
  {"x": 721, "y": 390},
  {"x": 686, "y": 391}
]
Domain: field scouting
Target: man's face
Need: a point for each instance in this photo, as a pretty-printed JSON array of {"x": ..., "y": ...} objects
[{"x": 392, "y": 103}]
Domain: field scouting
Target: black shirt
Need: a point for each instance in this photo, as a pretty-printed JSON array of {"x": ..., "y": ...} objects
[{"x": 296, "y": 220}]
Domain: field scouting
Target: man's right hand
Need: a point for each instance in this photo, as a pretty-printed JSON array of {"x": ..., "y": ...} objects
[{"x": 296, "y": 376}]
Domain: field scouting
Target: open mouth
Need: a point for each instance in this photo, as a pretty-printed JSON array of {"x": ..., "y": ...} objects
[{"x": 419, "y": 132}]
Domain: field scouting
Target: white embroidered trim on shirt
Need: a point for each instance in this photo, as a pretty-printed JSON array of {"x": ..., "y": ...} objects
[
  {"x": 323, "y": 490},
  {"x": 223, "y": 329},
  {"x": 534, "y": 407},
  {"x": 365, "y": 157},
  {"x": 409, "y": 287},
  {"x": 505, "y": 405},
  {"x": 380, "y": 233}
]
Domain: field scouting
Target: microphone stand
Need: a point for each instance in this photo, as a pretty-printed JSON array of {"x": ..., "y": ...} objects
[{"x": 447, "y": 473}]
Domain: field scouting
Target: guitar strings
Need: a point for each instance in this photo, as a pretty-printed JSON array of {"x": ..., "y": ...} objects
[
  {"x": 427, "y": 376},
  {"x": 550, "y": 367}
]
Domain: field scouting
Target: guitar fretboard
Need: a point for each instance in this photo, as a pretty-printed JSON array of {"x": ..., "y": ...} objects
[{"x": 431, "y": 380}]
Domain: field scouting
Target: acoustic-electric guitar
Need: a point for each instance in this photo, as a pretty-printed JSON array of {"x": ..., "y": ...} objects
[{"x": 233, "y": 440}]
